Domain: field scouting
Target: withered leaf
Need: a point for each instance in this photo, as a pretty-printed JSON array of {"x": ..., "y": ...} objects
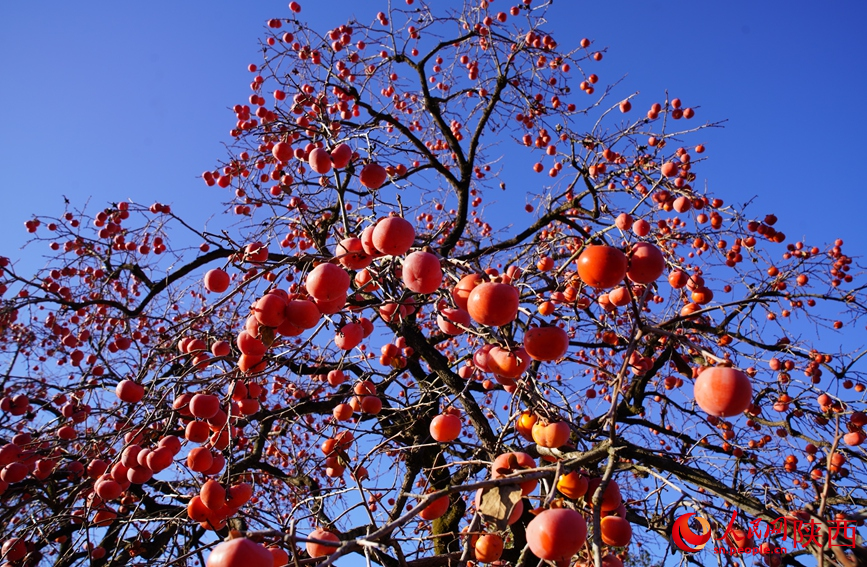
[
  {"x": 267, "y": 335},
  {"x": 498, "y": 502}
]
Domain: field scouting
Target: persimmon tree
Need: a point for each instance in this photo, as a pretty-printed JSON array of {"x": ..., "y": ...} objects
[{"x": 365, "y": 362}]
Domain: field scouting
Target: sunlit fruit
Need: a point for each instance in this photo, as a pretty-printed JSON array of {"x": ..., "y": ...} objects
[
  {"x": 340, "y": 156},
  {"x": 129, "y": 391},
  {"x": 723, "y": 392},
  {"x": 556, "y": 534},
  {"x": 646, "y": 263},
  {"x": 216, "y": 280},
  {"x": 373, "y": 176},
  {"x": 572, "y": 485},
  {"x": 546, "y": 343},
  {"x": 512, "y": 463},
  {"x": 322, "y": 549},
  {"x": 327, "y": 282},
  {"x": 445, "y": 428},
  {"x": 393, "y": 235},
  {"x": 240, "y": 552},
  {"x": 493, "y": 304},
  {"x": 422, "y": 272},
  {"x": 602, "y": 266},
  {"x": 319, "y": 161},
  {"x": 551, "y": 435},
  {"x": 616, "y": 531}
]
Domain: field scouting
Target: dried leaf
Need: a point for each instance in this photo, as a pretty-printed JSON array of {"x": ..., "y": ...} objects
[
  {"x": 497, "y": 503},
  {"x": 267, "y": 335}
]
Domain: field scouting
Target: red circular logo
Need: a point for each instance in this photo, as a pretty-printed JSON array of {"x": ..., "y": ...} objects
[{"x": 687, "y": 540}]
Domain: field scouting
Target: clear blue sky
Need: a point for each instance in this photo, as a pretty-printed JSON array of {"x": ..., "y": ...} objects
[
  {"x": 107, "y": 100},
  {"x": 111, "y": 101}
]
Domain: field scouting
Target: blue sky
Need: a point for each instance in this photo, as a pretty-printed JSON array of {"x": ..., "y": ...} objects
[{"x": 106, "y": 103}]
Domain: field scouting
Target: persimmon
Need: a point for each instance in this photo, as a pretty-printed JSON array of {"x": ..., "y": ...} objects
[
  {"x": 342, "y": 412},
  {"x": 279, "y": 555},
  {"x": 327, "y": 282},
  {"x": 371, "y": 405},
  {"x": 702, "y": 295},
  {"x": 251, "y": 364},
  {"x": 572, "y": 485},
  {"x": 450, "y": 321},
  {"x": 213, "y": 495},
  {"x": 669, "y": 169},
  {"x": 445, "y": 428},
  {"x": 641, "y": 228},
  {"x": 129, "y": 391},
  {"x": 509, "y": 463},
  {"x": 393, "y": 236},
  {"x": 14, "y": 549},
  {"x": 611, "y": 497},
  {"x": 351, "y": 254},
  {"x": 740, "y": 539},
  {"x": 104, "y": 517},
  {"x": 256, "y": 253},
  {"x": 462, "y": 289},
  {"x": 723, "y": 392},
  {"x": 240, "y": 552},
  {"x": 678, "y": 279},
  {"x": 250, "y": 345},
  {"x": 238, "y": 494},
  {"x": 204, "y": 406},
  {"x": 282, "y": 151},
  {"x": 551, "y": 435},
  {"x": 303, "y": 313},
  {"x": 200, "y": 459},
  {"x": 602, "y": 266},
  {"x": 95, "y": 469},
  {"x": 341, "y": 155},
  {"x": 159, "y": 459},
  {"x": 616, "y": 531},
  {"x": 556, "y": 534},
  {"x": 349, "y": 336},
  {"x": 270, "y": 310},
  {"x": 221, "y": 348},
  {"x": 422, "y": 272},
  {"x": 546, "y": 343},
  {"x": 524, "y": 424},
  {"x": 435, "y": 509},
  {"x": 315, "y": 549},
  {"x": 139, "y": 474},
  {"x": 216, "y": 280},
  {"x": 181, "y": 404},
  {"x": 319, "y": 160},
  {"x": 488, "y": 548},
  {"x": 508, "y": 363},
  {"x": 646, "y": 263},
  {"x": 493, "y": 304},
  {"x": 373, "y": 176},
  {"x": 623, "y": 221},
  {"x": 107, "y": 488}
]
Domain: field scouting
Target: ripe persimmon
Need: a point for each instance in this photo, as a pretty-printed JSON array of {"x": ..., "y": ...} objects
[
  {"x": 602, "y": 266},
  {"x": 556, "y": 534},
  {"x": 723, "y": 392}
]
